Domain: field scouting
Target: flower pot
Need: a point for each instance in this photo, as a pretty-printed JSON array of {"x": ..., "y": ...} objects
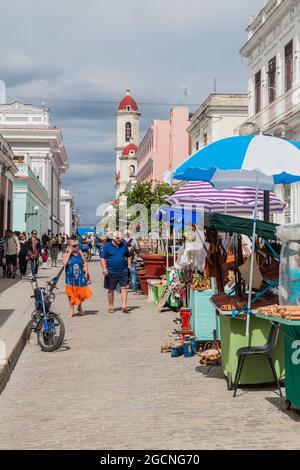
[
  {"x": 155, "y": 265},
  {"x": 143, "y": 281}
]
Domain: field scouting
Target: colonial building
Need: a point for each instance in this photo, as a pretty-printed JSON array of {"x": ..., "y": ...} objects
[
  {"x": 217, "y": 118},
  {"x": 7, "y": 171},
  {"x": 67, "y": 212},
  {"x": 36, "y": 142},
  {"x": 30, "y": 202},
  {"x": 164, "y": 146},
  {"x": 272, "y": 55},
  {"x": 128, "y": 118}
]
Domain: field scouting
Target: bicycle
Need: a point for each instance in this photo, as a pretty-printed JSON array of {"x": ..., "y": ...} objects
[{"x": 48, "y": 326}]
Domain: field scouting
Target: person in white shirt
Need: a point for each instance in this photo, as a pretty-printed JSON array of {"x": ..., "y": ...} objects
[{"x": 11, "y": 251}]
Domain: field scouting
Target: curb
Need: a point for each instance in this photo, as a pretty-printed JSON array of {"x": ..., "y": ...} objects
[{"x": 16, "y": 342}]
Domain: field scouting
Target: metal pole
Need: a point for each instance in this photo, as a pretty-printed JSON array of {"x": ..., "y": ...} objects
[
  {"x": 252, "y": 257},
  {"x": 267, "y": 206}
]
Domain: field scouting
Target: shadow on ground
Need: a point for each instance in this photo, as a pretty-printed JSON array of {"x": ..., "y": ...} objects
[
  {"x": 4, "y": 315},
  {"x": 279, "y": 403},
  {"x": 213, "y": 372}
]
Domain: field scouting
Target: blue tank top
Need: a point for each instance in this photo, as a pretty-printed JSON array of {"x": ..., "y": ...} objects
[{"x": 74, "y": 271}]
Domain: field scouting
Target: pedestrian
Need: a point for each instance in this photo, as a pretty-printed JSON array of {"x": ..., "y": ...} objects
[
  {"x": 115, "y": 262},
  {"x": 44, "y": 256},
  {"x": 45, "y": 240},
  {"x": 11, "y": 250},
  {"x": 60, "y": 242},
  {"x": 133, "y": 249},
  {"x": 2, "y": 256},
  {"x": 53, "y": 249},
  {"x": 34, "y": 251},
  {"x": 23, "y": 254},
  {"x": 65, "y": 243},
  {"x": 77, "y": 277}
]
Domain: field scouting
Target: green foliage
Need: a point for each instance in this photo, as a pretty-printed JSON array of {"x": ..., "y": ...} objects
[{"x": 142, "y": 193}]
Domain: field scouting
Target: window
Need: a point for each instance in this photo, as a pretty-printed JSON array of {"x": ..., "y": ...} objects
[
  {"x": 197, "y": 145},
  {"x": 272, "y": 79},
  {"x": 127, "y": 132},
  {"x": 258, "y": 92},
  {"x": 205, "y": 139},
  {"x": 128, "y": 108},
  {"x": 288, "y": 54},
  {"x": 287, "y": 200},
  {"x": 131, "y": 171}
]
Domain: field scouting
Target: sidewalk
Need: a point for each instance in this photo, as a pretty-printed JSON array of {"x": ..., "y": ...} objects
[{"x": 15, "y": 313}]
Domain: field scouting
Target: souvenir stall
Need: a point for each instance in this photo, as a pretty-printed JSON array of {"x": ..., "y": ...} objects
[
  {"x": 232, "y": 306},
  {"x": 259, "y": 162},
  {"x": 206, "y": 277},
  {"x": 286, "y": 314}
]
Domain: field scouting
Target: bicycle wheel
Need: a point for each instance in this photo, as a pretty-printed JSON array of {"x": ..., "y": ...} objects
[{"x": 51, "y": 339}]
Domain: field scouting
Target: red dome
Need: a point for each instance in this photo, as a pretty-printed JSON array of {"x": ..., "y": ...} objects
[
  {"x": 128, "y": 101},
  {"x": 128, "y": 149}
]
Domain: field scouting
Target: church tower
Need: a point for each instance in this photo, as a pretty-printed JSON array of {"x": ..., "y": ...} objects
[{"x": 128, "y": 119}]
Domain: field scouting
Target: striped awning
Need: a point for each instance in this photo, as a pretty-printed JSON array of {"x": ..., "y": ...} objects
[{"x": 233, "y": 201}]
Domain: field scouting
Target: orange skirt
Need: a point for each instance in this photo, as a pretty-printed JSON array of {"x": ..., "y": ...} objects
[{"x": 78, "y": 294}]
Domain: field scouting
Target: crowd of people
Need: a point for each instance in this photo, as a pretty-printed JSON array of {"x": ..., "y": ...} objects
[
  {"x": 20, "y": 249},
  {"x": 118, "y": 261}
]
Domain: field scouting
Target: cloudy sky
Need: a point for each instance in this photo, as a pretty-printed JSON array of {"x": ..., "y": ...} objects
[{"x": 79, "y": 57}]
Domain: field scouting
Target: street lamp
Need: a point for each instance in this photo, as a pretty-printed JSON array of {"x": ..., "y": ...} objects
[{"x": 28, "y": 214}]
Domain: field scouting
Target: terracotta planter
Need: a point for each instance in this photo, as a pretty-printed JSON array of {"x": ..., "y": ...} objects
[
  {"x": 155, "y": 265},
  {"x": 143, "y": 281}
]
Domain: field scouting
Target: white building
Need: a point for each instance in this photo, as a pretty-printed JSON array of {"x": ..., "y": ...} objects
[
  {"x": 217, "y": 118},
  {"x": 37, "y": 143},
  {"x": 272, "y": 54},
  {"x": 7, "y": 172},
  {"x": 128, "y": 118},
  {"x": 67, "y": 212}
]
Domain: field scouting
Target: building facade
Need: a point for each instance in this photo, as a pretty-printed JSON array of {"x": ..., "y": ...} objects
[
  {"x": 36, "y": 142},
  {"x": 7, "y": 172},
  {"x": 272, "y": 55},
  {"x": 128, "y": 118},
  {"x": 30, "y": 202},
  {"x": 67, "y": 212},
  {"x": 217, "y": 118},
  {"x": 165, "y": 145}
]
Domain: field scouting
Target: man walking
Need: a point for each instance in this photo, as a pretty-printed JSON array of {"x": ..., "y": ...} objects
[
  {"x": 34, "y": 251},
  {"x": 115, "y": 262}
]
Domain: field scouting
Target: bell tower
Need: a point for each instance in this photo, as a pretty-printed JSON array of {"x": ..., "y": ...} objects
[{"x": 128, "y": 120}]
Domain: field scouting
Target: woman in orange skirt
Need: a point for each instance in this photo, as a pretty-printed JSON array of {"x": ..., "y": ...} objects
[{"x": 77, "y": 277}]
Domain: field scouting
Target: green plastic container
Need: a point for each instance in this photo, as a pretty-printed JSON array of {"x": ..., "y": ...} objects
[{"x": 256, "y": 369}]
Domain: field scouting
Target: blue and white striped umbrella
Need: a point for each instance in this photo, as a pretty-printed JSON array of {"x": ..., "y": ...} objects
[{"x": 251, "y": 161}]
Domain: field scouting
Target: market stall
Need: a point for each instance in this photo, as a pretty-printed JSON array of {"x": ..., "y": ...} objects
[{"x": 286, "y": 315}]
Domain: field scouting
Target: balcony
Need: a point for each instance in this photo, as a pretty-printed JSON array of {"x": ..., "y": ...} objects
[{"x": 282, "y": 108}]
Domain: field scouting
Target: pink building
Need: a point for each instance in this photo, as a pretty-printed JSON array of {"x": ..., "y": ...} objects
[{"x": 164, "y": 146}]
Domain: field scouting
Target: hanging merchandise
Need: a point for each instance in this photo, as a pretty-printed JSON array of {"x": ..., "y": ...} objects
[{"x": 245, "y": 273}]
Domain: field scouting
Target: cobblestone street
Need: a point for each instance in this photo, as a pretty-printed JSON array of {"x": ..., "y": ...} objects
[{"x": 109, "y": 387}]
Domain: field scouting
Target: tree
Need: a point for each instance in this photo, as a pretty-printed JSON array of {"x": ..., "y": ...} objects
[{"x": 142, "y": 193}]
